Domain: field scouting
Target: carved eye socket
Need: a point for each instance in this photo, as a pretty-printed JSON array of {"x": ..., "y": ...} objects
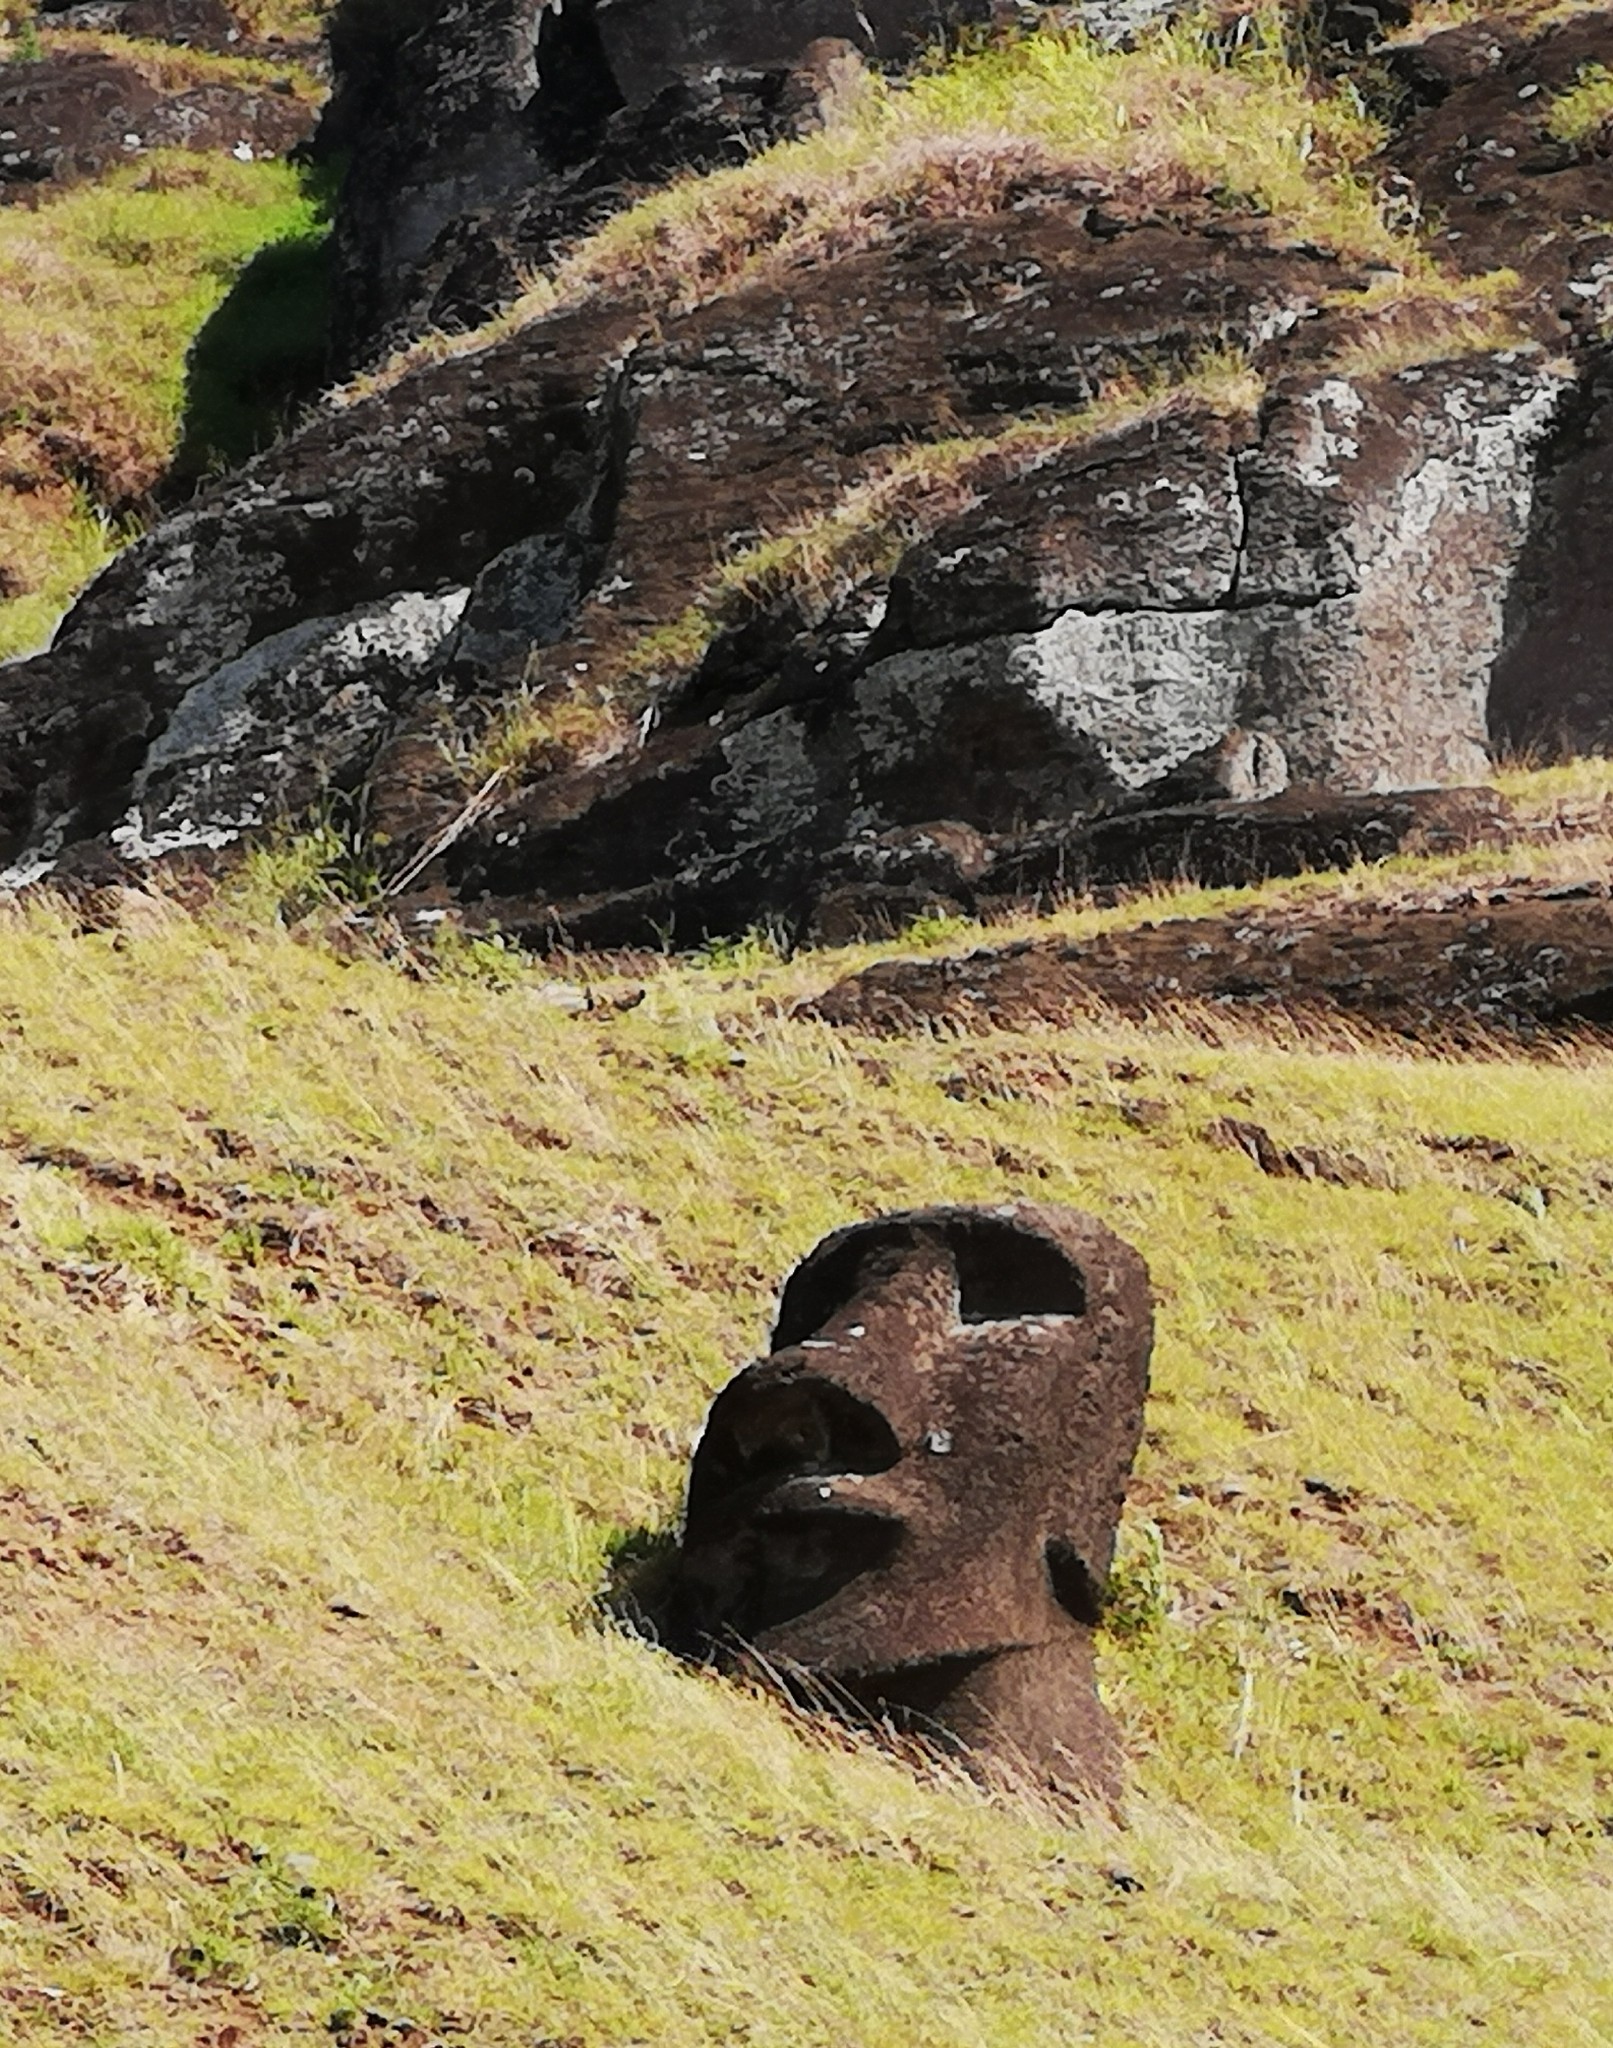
[{"x": 1005, "y": 1273}]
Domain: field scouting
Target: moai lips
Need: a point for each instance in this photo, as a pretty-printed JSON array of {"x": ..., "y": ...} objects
[{"x": 910, "y": 1504}]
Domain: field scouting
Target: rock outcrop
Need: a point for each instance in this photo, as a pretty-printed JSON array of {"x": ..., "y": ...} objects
[
  {"x": 489, "y": 134},
  {"x": 1457, "y": 966},
  {"x": 1506, "y": 192},
  {"x": 798, "y": 584},
  {"x": 70, "y": 116}
]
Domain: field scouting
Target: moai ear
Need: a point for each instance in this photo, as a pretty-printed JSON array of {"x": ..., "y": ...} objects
[{"x": 1076, "y": 1586}]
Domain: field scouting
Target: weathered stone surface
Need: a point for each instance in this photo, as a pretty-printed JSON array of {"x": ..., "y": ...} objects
[
  {"x": 415, "y": 490},
  {"x": 876, "y": 887},
  {"x": 498, "y": 130},
  {"x": 268, "y": 734},
  {"x": 1454, "y": 966},
  {"x": 909, "y": 1506},
  {"x": 1502, "y": 191},
  {"x": 69, "y": 117},
  {"x": 1329, "y": 579},
  {"x": 188, "y": 24},
  {"x": 1552, "y": 693}
]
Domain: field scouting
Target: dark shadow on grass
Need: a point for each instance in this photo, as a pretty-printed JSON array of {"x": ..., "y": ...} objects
[
  {"x": 255, "y": 364},
  {"x": 640, "y": 1577}
]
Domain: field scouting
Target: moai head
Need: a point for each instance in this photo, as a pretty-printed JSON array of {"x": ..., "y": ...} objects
[{"x": 911, "y": 1502}]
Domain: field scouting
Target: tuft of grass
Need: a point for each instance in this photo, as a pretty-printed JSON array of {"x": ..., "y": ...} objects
[
  {"x": 1583, "y": 115},
  {"x": 353, "y": 1320},
  {"x": 1184, "y": 115},
  {"x": 1400, "y": 322},
  {"x": 1180, "y": 116},
  {"x": 176, "y": 67},
  {"x": 101, "y": 292},
  {"x": 53, "y": 539}
]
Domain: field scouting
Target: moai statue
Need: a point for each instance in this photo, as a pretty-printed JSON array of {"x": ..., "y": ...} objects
[{"x": 909, "y": 1506}]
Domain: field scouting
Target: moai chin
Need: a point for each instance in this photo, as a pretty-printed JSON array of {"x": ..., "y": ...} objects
[{"x": 909, "y": 1506}]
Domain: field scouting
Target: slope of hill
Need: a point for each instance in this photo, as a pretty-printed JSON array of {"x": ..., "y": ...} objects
[
  {"x": 358, "y": 1313},
  {"x": 363, "y": 1280},
  {"x": 997, "y": 441},
  {"x": 141, "y": 175}
]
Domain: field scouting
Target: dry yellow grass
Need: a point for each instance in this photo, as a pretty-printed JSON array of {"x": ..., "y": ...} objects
[
  {"x": 351, "y": 1319},
  {"x": 174, "y": 67},
  {"x": 1183, "y": 115}
]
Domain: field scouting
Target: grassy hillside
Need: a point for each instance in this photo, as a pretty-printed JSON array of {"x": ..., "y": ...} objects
[
  {"x": 357, "y": 1308},
  {"x": 355, "y": 1314},
  {"x": 104, "y": 287}
]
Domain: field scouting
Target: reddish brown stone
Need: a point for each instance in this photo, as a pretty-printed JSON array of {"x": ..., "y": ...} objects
[
  {"x": 909, "y": 1506},
  {"x": 1461, "y": 965}
]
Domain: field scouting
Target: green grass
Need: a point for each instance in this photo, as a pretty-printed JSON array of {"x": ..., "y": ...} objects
[
  {"x": 1580, "y": 115},
  {"x": 352, "y": 1319},
  {"x": 1178, "y": 117},
  {"x": 102, "y": 291},
  {"x": 175, "y": 67}
]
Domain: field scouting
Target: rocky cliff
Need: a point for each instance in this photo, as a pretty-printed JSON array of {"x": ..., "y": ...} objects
[{"x": 857, "y": 496}]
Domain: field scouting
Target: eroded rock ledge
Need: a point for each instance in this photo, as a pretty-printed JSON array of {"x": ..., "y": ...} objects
[
  {"x": 1462, "y": 964},
  {"x": 1063, "y": 619}
]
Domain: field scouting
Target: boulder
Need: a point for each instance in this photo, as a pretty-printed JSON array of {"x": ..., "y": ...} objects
[
  {"x": 70, "y": 116},
  {"x": 1327, "y": 585},
  {"x": 297, "y": 716},
  {"x": 415, "y": 490},
  {"x": 496, "y": 131}
]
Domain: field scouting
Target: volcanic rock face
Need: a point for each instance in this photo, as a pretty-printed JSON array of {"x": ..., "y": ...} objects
[
  {"x": 1507, "y": 193},
  {"x": 1043, "y": 615},
  {"x": 910, "y": 1504},
  {"x": 498, "y": 130}
]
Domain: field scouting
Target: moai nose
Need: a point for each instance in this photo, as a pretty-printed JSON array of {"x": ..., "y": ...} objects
[{"x": 775, "y": 1425}]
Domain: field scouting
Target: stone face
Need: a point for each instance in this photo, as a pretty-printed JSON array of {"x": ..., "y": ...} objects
[
  {"x": 911, "y": 1502},
  {"x": 1390, "y": 517}
]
